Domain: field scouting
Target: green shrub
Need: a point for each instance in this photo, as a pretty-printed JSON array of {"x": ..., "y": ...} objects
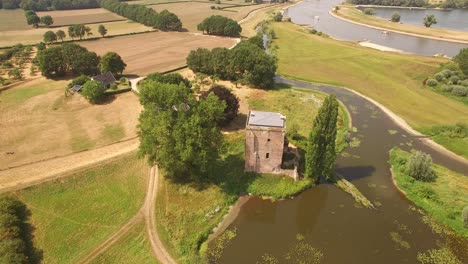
[
  {"x": 459, "y": 90},
  {"x": 7, "y": 64},
  {"x": 15, "y": 73},
  {"x": 80, "y": 80},
  {"x": 439, "y": 77},
  {"x": 369, "y": 11},
  {"x": 420, "y": 166},
  {"x": 431, "y": 82},
  {"x": 396, "y": 17},
  {"x": 446, "y": 88},
  {"x": 454, "y": 79},
  {"x": 278, "y": 17},
  {"x": 447, "y": 73},
  {"x": 464, "y": 83},
  {"x": 465, "y": 216}
]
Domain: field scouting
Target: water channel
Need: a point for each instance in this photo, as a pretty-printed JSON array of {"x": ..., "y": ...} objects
[
  {"x": 329, "y": 219},
  {"x": 307, "y": 12},
  {"x": 455, "y": 19}
]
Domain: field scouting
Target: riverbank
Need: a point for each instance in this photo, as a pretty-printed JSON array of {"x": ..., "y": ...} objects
[
  {"x": 444, "y": 199},
  {"x": 354, "y": 15}
]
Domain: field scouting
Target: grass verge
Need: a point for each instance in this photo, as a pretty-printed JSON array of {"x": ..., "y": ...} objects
[
  {"x": 73, "y": 215},
  {"x": 313, "y": 58},
  {"x": 132, "y": 248},
  {"x": 443, "y": 199}
]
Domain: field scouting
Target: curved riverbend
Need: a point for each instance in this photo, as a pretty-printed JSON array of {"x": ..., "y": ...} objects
[
  {"x": 306, "y": 13},
  {"x": 328, "y": 219}
]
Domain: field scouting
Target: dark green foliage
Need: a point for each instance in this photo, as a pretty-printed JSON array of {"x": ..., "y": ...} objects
[
  {"x": 80, "y": 80},
  {"x": 396, "y": 17},
  {"x": 47, "y": 20},
  {"x": 14, "y": 244},
  {"x": 77, "y": 31},
  {"x": 112, "y": 62},
  {"x": 320, "y": 151},
  {"x": 93, "y": 91},
  {"x": 60, "y": 34},
  {"x": 10, "y": 4},
  {"x": 170, "y": 78},
  {"x": 69, "y": 57},
  {"x": 145, "y": 15},
  {"x": 462, "y": 60},
  {"x": 459, "y": 130},
  {"x": 257, "y": 41},
  {"x": 369, "y": 11},
  {"x": 44, "y": 5},
  {"x": 32, "y": 18},
  {"x": 431, "y": 82},
  {"x": 439, "y": 76},
  {"x": 231, "y": 101},
  {"x": 414, "y": 3},
  {"x": 50, "y": 37},
  {"x": 278, "y": 17},
  {"x": 420, "y": 166},
  {"x": 221, "y": 26},
  {"x": 459, "y": 90},
  {"x": 102, "y": 30},
  {"x": 176, "y": 131},
  {"x": 246, "y": 62},
  {"x": 429, "y": 20}
]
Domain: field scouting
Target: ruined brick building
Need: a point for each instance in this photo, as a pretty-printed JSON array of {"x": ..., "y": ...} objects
[{"x": 265, "y": 141}]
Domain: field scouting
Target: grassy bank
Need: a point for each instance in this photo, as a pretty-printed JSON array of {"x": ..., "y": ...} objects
[
  {"x": 132, "y": 248},
  {"x": 73, "y": 215},
  {"x": 444, "y": 198},
  {"x": 317, "y": 59},
  {"x": 356, "y": 15},
  {"x": 186, "y": 213}
]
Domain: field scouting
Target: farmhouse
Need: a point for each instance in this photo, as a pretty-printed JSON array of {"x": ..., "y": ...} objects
[
  {"x": 106, "y": 78},
  {"x": 265, "y": 142}
]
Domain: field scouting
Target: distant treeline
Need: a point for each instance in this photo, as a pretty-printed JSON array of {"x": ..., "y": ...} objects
[
  {"x": 412, "y": 3},
  {"x": 164, "y": 20},
  {"x": 43, "y": 5}
]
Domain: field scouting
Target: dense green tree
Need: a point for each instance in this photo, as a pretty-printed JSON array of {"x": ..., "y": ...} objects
[
  {"x": 167, "y": 21},
  {"x": 176, "y": 131},
  {"x": 257, "y": 40},
  {"x": 396, "y": 17},
  {"x": 320, "y": 151},
  {"x": 429, "y": 20},
  {"x": 47, "y": 20},
  {"x": 50, "y": 37},
  {"x": 413, "y": 3},
  {"x": 420, "y": 166},
  {"x": 231, "y": 101},
  {"x": 93, "y": 91},
  {"x": 77, "y": 31},
  {"x": 102, "y": 30},
  {"x": 51, "y": 62},
  {"x": 221, "y": 26},
  {"x": 60, "y": 34},
  {"x": 171, "y": 78},
  {"x": 32, "y": 18},
  {"x": 462, "y": 60},
  {"x": 112, "y": 62}
]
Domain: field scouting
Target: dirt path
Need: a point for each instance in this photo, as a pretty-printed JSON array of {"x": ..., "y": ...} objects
[{"x": 38, "y": 172}]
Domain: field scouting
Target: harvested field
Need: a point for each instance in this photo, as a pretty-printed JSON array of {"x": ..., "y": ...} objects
[
  {"x": 81, "y": 16},
  {"x": 38, "y": 122},
  {"x": 33, "y": 36},
  {"x": 156, "y": 51},
  {"x": 13, "y": 20},
  {"x": 192, "y": 13}
]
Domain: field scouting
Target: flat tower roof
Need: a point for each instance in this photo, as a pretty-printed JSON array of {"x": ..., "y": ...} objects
[{"x": 268, "y": 119}]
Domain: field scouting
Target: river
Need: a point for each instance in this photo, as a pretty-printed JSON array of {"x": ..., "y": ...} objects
[
  {"x": 456, "y": 19},
  {"x": 306, "y": 13},
  {"x": 329, "y": 219}
]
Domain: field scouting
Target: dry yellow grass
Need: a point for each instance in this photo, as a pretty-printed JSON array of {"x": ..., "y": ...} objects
[
  {"x": 33, "y": 36},
  {"x": 156, "y": 51},
  {"x": 39, "y": 123},
  {"x": 81, "y": 16},
  {"x": 192, "y": 13}
]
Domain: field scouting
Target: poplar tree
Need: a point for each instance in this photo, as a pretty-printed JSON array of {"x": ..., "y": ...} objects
[{"x": 320, "y": 151}]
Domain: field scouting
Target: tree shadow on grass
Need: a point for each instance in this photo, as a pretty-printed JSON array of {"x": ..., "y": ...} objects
[{"x": 34, "y": 254}]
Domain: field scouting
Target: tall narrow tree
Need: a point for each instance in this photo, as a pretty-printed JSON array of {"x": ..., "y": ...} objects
[{"x": 320, "y": 152}]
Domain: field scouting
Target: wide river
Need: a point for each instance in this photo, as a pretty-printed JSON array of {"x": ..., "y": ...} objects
[
  {"x": 328, "y": 219},
  {"x": 306, "y": 13}
]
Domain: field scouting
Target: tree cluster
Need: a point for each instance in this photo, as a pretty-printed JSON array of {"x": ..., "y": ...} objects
[
  {"x": 246, "y": 63},
  {"x": 69, "y": 57},
  {"x": 171, "y": 78},
  {"x": 220, "y": 26},
  {"x": 164, "y": 20},
  {"x": 44, "y": 5},
  {"x": 13, "y": 244},
  {"x": 412, "y": 3},
  {"x": 320, "y": 151},
  {"x": 79, "y": 31},
  {"x": 231, "y": 101},
  {"x": 178, "y": 132},
  {"x": 33, "y": 19}
]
